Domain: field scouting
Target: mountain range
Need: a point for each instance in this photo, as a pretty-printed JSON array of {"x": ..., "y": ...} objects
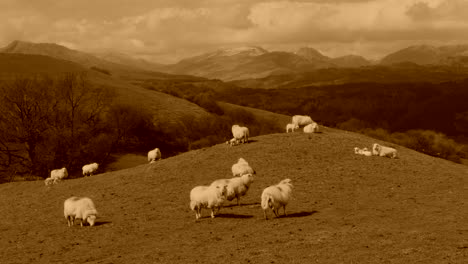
[{"x": 253, "y": 62}]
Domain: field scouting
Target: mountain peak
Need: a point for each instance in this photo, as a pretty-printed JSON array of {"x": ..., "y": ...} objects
[
  {"x": 244, "y": 50},
  {"x": 311, "y": 54}
]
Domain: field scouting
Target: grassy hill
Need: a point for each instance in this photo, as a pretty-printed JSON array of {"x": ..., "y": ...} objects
[{"x": 346, "y": 208}]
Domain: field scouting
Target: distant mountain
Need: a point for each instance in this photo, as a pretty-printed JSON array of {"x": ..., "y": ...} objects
[
  {"x": 124, "y": 59},
  {"x": 427, "y": 55},
  {"x": 312, "y": 54},
  {"x": 350, "y": 61}
]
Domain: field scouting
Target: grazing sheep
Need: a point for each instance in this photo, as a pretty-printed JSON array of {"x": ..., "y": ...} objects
[
  {"x": 154, "y": 155},
  {"x": 83, "y": 208},
  {"x": 241, "y": 168},
  {"x": 276, "y": 196},
  {"x": 291, "y": 127},
  {"x": 90, "y": 169},
  {"x": 59, "y": 174},
  {"x": 382, "y": 151},
  {"x": 301, "y": 120},
  {"x": 240, "y": 133},
  {"x": 236, "y": 187},
  {"x": 311, "y": 128},
  {"x": 363, "y": 151},
  {"x": 211, "y": 197}
]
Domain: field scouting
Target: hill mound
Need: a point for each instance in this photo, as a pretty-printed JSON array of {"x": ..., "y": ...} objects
[{"x": 346, "y": 208}]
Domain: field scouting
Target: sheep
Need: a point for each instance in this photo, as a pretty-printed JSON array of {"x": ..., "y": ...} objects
[
  {"x": 241, "y": 167},
  {"x": 211, "y": 197},
  {"x": 311, "y": 128},
  {"x": 90, "y": 169},
  {"x": 79, "y": 207},
  {"x": 232, "y": 142},
  {"x": 382, "y": 151},
  {"x": 291, "y": 127},
  {"x": 301, "y": 120},
  {"x": 58, "y": 174},
  {"x": 236, "y": 187},
  {"x": 276, "y": 196},
  {"x": 48, "y": 181},
  {"x": 240, "y": 133},
  {"x": 154, "y": 155},
  {"x": 363, "y": 151}
]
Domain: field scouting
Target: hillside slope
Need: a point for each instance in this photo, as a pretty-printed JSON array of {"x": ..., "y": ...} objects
[{"x": 346, "y": 209}]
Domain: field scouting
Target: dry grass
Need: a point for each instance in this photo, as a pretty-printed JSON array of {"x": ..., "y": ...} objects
[{"x": 346, "y": 209}]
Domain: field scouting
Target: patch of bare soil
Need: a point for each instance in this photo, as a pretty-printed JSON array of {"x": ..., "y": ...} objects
[{"x": 346, "y": 208}]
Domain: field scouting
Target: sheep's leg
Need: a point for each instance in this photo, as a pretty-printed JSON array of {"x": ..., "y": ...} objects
[
  {"x": 264, "y": 214},
  {"x": 238, "y": 200},
  {"x": 276, "y": 212},
  {"x": 212, "y": 213},
  {"x": 284, "y": 208}
]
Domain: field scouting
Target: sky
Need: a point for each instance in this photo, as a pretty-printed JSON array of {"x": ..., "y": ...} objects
[{"x": 166, "y": 31}]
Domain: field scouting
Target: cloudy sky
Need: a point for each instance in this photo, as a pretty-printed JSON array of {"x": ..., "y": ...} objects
[{"x": 168, "y": 30}]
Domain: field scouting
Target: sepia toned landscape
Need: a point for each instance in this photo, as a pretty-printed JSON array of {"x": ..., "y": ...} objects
[{"x": 105, "y": 83}]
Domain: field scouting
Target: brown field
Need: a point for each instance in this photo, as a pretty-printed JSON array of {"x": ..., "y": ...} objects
[{"x": 346, "y": 208}]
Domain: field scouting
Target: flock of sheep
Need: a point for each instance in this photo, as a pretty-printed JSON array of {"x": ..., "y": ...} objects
[{"x": 213, "y": 196}]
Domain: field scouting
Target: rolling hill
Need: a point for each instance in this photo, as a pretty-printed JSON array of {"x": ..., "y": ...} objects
[
  {"x": 427, "y": 55},
  {"x": 346, "y": 208}
]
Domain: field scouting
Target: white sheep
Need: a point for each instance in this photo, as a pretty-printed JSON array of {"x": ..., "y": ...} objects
[
  {"x": 363, "y": 151},
  {"x": 311, "y": 128},
  {"x": 232, "y": 142},
  {"x": 241, "y": 167},
  {"x": 382, "y": 151},
  {"x": 212, "y": 197},
  {"x": 291, "y": 127},
  {"x": 48, "y": 181},
  {"x": 83, "y": 208},
  {"x": 236, "y": 187},
  {"x": 154, "y": 155},
  {"x": 240, "y": 133},
  {"x": 276, "y": 196},
  {"x": 58, "y": 174},
  {"x": 301, "y": 120},
  {"x": 90, "y": 169}
]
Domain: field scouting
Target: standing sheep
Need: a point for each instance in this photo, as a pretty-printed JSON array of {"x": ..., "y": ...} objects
[
  {"x": 241, "y": 168},
  {"x": 90, "y": 169},
  {"x": 240, "y": 133},
  {"x": 83, "y": 208},
  {"x": 382, "y": 151},
  {"x": 211, "y": 197},
  {"x": 291, "y": 127},
  {"x": 236, "y": 187},
  {"x": 58, "y": 174},
  {"x": 154, "y": 155},
  {"x": 276, "y": 196},
  {"x": 311, "y": 128}
]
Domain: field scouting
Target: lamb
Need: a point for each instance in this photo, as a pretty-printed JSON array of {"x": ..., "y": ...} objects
[
  {"x": 276, "y": 196},
  {"x": 241, "y": 168},
  {"x": 154, "y": 155},
  {"x": 79, "y": 207},
  {"x": 232, "y": 142},
  {"x": 58, "y": 174},
  {"x": 211, "y": 197},
  {"x": 236, "y": 187},
  {"x": 311, "y": 128},
  {"x": 240, "y": 133},
  {"x": 48, "y": 181},
  {"x": 90, "y": 169},
  {"x": 301, "y": 120},
  {"x": 363, "y": 151},
  {"x": 291, "y": 127},
  {"x": 382, "y": 151}
]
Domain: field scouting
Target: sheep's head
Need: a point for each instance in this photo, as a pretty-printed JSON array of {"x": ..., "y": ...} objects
[
  {"x": 376, "y": 149},
  {"x": 247, "y": 179},
  {"x": 91, "y": 220}
]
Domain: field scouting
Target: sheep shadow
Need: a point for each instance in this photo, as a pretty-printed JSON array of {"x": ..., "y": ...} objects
[
  {"x": 242, "y": 204},
  {"x": 100, "y": 223},
  {"x": 240, "y": 216},
  {"x": 299, "y": 214}
]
